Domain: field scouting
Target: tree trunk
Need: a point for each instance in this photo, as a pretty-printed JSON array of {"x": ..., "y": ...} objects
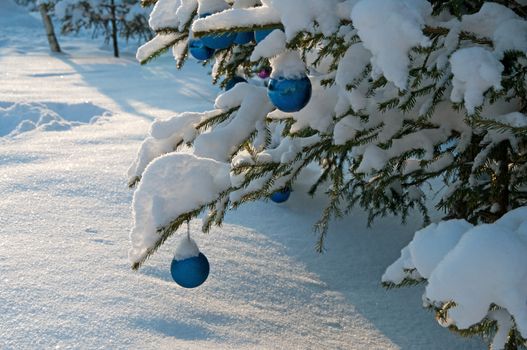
[
  {"x": 50, "y": 32},
  {"x": 114, "y": 29}
]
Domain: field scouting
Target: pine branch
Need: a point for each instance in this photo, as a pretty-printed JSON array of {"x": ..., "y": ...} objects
[
  {"x": 147, "y": 3},
  {"x": 238, "y": 29},
  {"x": 134, "y": 181},
  {"x": 166, "y": 231},
  {"x": 436, "y": 31},
  {"x": 215, "y": 119},
  {"x": 501, "y": 127},
  {"x": 164, "y": 49},
  {"x": 167, "y": 30},
  {"x": 406, "y": 282}
]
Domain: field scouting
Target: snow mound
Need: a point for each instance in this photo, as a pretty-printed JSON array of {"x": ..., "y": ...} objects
[
  {"x": 475, "y": 71},
  {"x": 475, "y": 267},
  {"x": 21, "y": 117},
  {"x": 195, "y": 182},
  {"x": 389, "y": 29}
]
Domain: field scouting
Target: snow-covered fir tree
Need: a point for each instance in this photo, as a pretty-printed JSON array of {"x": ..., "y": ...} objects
[
  {"x": 111, "y": 18},
  {"x": 401, "y": 93},
  {"x": 30, "y": 4}
]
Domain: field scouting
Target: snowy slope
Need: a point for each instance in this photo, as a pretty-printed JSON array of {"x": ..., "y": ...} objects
[{"x": 65, "y": 280}]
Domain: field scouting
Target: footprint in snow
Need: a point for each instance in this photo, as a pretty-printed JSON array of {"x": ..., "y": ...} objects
[{"x": 102, "y": 241}]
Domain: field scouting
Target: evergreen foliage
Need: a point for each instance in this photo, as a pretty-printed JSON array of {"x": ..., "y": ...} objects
[
  {"x": 31, "y": 4},
  {"x": 482, "y": 159}
]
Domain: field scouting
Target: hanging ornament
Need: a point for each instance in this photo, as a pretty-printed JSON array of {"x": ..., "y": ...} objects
[
  {"x": 235, "y": 80},
  {"x": 243, "y": 38},
  {"x": 218, "y": 41},
  {"x": 264, "y": 73},
  {"x": 281, "y": 196},
  {"x": 198, "y": 50},
  {"x": 289, "y": 88},
  {"x": 259, "y": 35},
  {"x": 289, "y": 95},
  {"x": 189, "y": 268}
]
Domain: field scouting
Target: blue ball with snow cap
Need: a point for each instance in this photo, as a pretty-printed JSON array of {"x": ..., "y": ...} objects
[
  {"x": 289, "y": 95},
  {"x": 190, "y": 272}
]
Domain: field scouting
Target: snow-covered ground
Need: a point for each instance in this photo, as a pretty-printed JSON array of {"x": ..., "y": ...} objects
[{"x": 69, "y": 127}]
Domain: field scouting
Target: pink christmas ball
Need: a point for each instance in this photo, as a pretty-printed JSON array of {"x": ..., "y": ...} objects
[{"x": 264, "y": 73}]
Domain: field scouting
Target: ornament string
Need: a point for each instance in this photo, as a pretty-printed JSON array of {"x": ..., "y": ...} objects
[{"x": 188, "y": 229}]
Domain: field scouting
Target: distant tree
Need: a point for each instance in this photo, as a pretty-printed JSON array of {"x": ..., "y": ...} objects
[
  {"x": 43, "y": 7},
  {"x": 111, "y": 18},
  {"x": 31, "y": 4}
]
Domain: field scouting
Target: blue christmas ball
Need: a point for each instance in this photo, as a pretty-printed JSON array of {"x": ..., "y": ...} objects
[
  {"x": 218, "y": 41},
  {"x": 259, "y": 35},
  {"x": 244, "y": 38},
  {"x": 281, "y": 196},
  {"x": 289, "y": 95},
  {"x": 198, "y": 50},
  {"x": 190, "y": 272},
  {"x": 235, "y": 80}
]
